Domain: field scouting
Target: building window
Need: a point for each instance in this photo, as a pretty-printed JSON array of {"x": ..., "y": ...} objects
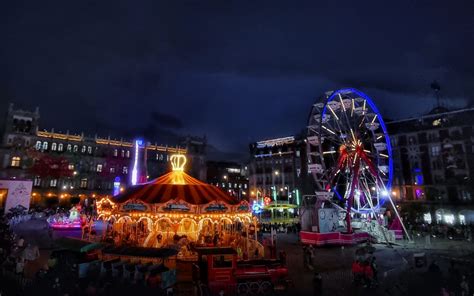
[
  {"x": 83, "y": 183},
  {"x": 245, "y": 186},
  {"x": 60, "y": 147},
  {"x": 112, "y": 170},
  {"x": 123, "y": 153},
  {"x": 99, "y": 168},
  {"x": 83, "y": 150},
  {"x": 128, "y": 153},
  {"x": 45, "y": 145},
  {"x": 75, "y": 148},
  {"x": 89, "y": 150},
  {"x": 37, "y": 181},
  {"x": 435, "y": 150},
  {"x": 15, "y": 161},
  {"x": 38, "y": 145},
  {"x": 161, "y": 157},
  {"x": 54, "y": 146},
  {"x": 53, "y": 183},
  {"x": 70, "y": 167},
  {"x": 125, "y": 169},
  {"x": 69, "y": 147},
  {"x": 115, "y": 152}
]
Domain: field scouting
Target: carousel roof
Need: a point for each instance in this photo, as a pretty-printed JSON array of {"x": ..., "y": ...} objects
[{"x": 178, "y": 186}]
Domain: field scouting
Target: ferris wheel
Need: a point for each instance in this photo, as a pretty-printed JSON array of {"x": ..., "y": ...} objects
[{"x": 349, "y": 151}]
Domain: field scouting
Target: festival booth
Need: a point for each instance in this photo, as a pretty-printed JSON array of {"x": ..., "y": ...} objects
[{"x": 175, "y": 209}]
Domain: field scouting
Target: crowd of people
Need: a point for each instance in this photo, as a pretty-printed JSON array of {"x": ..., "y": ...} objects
[{"x": 443, "y": 231}]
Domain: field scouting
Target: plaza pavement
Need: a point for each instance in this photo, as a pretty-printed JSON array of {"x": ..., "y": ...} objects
[{"x": 396, "y": 271}]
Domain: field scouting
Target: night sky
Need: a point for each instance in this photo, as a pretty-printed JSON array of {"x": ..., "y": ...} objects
[{"x": 235, "y": 71}]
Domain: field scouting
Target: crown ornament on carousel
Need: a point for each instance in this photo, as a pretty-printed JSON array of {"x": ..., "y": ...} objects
[{"x": 177, "y": 162}]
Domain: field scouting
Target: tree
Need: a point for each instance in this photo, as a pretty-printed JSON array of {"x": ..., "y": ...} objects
[{"x": 46, "y": 165}]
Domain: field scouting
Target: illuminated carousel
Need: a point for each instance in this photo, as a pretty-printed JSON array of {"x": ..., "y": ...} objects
[{"x": 176, "y": 209}]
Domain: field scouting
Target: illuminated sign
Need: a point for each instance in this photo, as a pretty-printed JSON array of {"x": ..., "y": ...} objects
[
  {"x": 275, "y": 142},
  {"x": 243, "y": 208},
  {"x": 216, "y": 208},
  {"x": 176, "y": 207},
  {"x": 267, "y": 200},
  {"x": 134, "y": 207}
]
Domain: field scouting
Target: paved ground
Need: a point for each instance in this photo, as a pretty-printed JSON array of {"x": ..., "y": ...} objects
[{"x": 397, "y": 274}]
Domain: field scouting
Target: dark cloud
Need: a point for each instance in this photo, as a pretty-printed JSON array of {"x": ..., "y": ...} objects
[
  {"x": 235, "y": 71},
  {"x": 166, "y": 120}
]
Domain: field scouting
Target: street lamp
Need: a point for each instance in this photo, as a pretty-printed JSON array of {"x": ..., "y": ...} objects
[
  {"x": 225, "y": 177},
  {"x": 277, "y": 173}
]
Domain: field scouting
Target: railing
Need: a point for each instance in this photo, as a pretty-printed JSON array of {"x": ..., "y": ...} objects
[{"x": 279, "y": 220}]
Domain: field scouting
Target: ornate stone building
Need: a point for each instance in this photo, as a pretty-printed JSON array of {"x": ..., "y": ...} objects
[
  {"x": 68, "y": 164},
  {"x": 433, "y": 159}
]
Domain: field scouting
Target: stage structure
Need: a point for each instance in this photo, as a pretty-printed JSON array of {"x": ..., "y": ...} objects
[
  {"x": 350, "y": 159},
  {"x": 177, "y": 209}
]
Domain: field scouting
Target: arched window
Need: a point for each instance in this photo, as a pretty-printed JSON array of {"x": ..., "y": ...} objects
[
  {"x": 45, "y": 145},
  {"x": 53, "y": 147},
  {"x": 38, "y": 145},
  {"x": 115, "y": 152},
  {"x": 75, "y": 148},
  {"x": 69, "y": 148},
  {"x": 89, "y": 150},
  {"x": 15, "y": 162},
  {"x": 83, "y": 150},
  {"x": 128, "y": 153},
  {"x": 60, "y": 147},
  {"x": 123, "y": 153}
]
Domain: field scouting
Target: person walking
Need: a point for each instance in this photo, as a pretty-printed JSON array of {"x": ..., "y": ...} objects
[
  {"x": 464, "y": 286},
  {"x": 305, "y": 257},
  {"x": 373, "y": 264},
  {"x": 311, "y": 257},
  {"x": 317, "y": 284},
  {"x": 356, "y": 271},
  {"x": 368, "y": 275}
]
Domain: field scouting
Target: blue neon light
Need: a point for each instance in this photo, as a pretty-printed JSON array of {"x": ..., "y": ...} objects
[
  {"x": 388, "y": 186},
  {"x": 116, "y": 186},
  {"x": 138, "y": 143},
  {"x": 257, "y": 207},
  {"x": 337, "y": 194}
]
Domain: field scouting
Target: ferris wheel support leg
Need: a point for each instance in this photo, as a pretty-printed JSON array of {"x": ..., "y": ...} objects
[
  {"x": 350, "y": 201},
  {"x": 399, "y": 218}
]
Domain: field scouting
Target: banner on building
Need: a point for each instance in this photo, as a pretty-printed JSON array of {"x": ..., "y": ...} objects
[{"x": 18, "y": 193}]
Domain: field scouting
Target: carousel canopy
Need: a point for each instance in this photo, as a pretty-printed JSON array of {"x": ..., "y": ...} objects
[{"x": 176, "y": 185}]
